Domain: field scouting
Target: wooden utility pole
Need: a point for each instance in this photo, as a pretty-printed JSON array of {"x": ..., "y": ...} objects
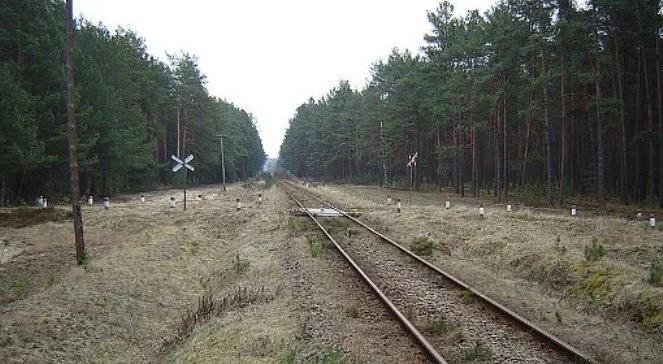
[
  {"x": 223, "y": 162},
  {"x": 178, "y": 132},
  {"x": 72, "y": 135}
]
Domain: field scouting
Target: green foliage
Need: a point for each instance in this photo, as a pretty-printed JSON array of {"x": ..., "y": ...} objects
[
  {"x": 423, "y": 246},
  {"x": 594, "y": 251},
  {"x": 493, "y": 88},
  {"x": 127, "y": 106}
]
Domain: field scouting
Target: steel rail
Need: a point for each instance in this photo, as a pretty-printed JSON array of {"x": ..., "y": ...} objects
[
  {"x": 542, "y": 333},
  {"x": 410, "y": 328}
]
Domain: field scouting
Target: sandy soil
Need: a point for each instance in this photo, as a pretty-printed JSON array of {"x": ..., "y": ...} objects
[{"x": 532, "y": 260}]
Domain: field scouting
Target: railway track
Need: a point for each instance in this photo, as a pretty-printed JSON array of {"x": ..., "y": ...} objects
[{"x": 447, "y": 318}]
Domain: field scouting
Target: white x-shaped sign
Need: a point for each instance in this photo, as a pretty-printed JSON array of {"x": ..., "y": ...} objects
[
  {"x": 412, "y": 160},
  {"x": 179, "y": 163}
]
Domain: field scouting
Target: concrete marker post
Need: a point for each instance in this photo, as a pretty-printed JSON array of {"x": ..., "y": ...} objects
[
  {"x": 652, "y": 220},
  {"x": 40, "y": 201},
  {"x": 171, "y": 203},
  {"x": 142, "y": 198},
  {"x": 106, "y": 203},
  {"x": 260, "y": 199},
  {"x": 447, "y": 205},
  {"x": 482, "y": 212},
  {"x": 398, "y": 205},
  {"x": 508, "y": 208},
  {"x": 90, "y": 200},
  {"x": 44, "y": 203},
  {"x": 388, "y": 200},
  {"x": 239, "y": 204},
  {"x": 574, "y": 211}
]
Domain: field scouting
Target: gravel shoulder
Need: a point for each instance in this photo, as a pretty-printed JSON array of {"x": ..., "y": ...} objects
[{"x": 340, "y": 318}]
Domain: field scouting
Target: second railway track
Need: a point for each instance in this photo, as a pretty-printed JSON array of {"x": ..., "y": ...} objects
[{"x": 449, "y": 320}]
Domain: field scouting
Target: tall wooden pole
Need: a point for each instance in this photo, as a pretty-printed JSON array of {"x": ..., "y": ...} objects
[
  {"x": 72, "y": 135},
  {"x": 223, "y": 163}
]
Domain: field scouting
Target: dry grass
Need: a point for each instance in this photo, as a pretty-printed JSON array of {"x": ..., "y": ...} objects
[{"x": 148, "y": 265}]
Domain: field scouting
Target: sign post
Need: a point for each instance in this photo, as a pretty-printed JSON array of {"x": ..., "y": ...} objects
[
  {"x": 412, "y": 163},
  {"x": 178, "y": 165}
]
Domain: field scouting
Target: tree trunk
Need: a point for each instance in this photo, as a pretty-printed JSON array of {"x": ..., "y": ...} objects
[
  {"x": 549, "y": 170},
  {"x": 498, "y": 170},
  {"x": 527, "y": 136},
  {"x": 638, "y": 120},
  {"x": 72, "y": 135},
  {"x": 660, "y": 121},
  {"x": 562, "y": 158},
  {"x": 650, "y": 122},
  {"x": 599, "y": 140},
  {"x": 3, "y": 189},
  {"x": 475, "y": 183},
  {"x": 504, "y": 145},
  {"x": 622, "y": 116}
]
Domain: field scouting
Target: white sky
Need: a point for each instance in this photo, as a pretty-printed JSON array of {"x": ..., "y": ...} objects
[{"x": 270, "y": 56}]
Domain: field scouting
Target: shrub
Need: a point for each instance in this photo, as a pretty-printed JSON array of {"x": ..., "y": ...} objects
[
  {"x": 594, "y": 251},
  {"x": 330, "y": 356},
  {"x": 240, "y": 265},
  {"x": 479, "y": 352},
  {"x": 440, "y": 325},
  {"x": 352, "y": 311},
  {"x": 423, "y": 246},
  {"x": 656, "y": 273},
  {"x": 316, "y": 245},
  {"x": 21, "y": 289}
]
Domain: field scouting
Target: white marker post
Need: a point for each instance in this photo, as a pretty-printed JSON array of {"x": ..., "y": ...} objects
[
  {"x": 574, "y": 211},
  {"x": 172, "y": 203},
  {"x": 482, "y": 212},
  {"x": 106, "y": 203},
  {"x": 398, "y": 205},
  {"x": 142, "y": 198},
  {"x": 652, "y": 220},
  {"x": 389, "y": 200},
  {"x": 90, "y": 200},
  {"x": 638, "y": 215},
  {"x": 44, "y": 203},
  {"x": 183, "y": 163},
  {"x": 40, "y": 201},
  {"x": 447, "y": 205},
  {"x": 260, "y": 199},
  {"x": 239, "y": 204},
  {"x": 508, "y": 208}
]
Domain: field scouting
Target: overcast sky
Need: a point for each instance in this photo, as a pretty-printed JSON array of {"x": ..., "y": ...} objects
[{"x": 269, "y": 56}]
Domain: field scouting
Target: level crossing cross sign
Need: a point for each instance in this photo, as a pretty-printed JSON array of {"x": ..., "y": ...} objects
[
  {"x": 183, "y": 163},
  {"x": 412, "y": 160},
  {"x": 179, "y": 163}
]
